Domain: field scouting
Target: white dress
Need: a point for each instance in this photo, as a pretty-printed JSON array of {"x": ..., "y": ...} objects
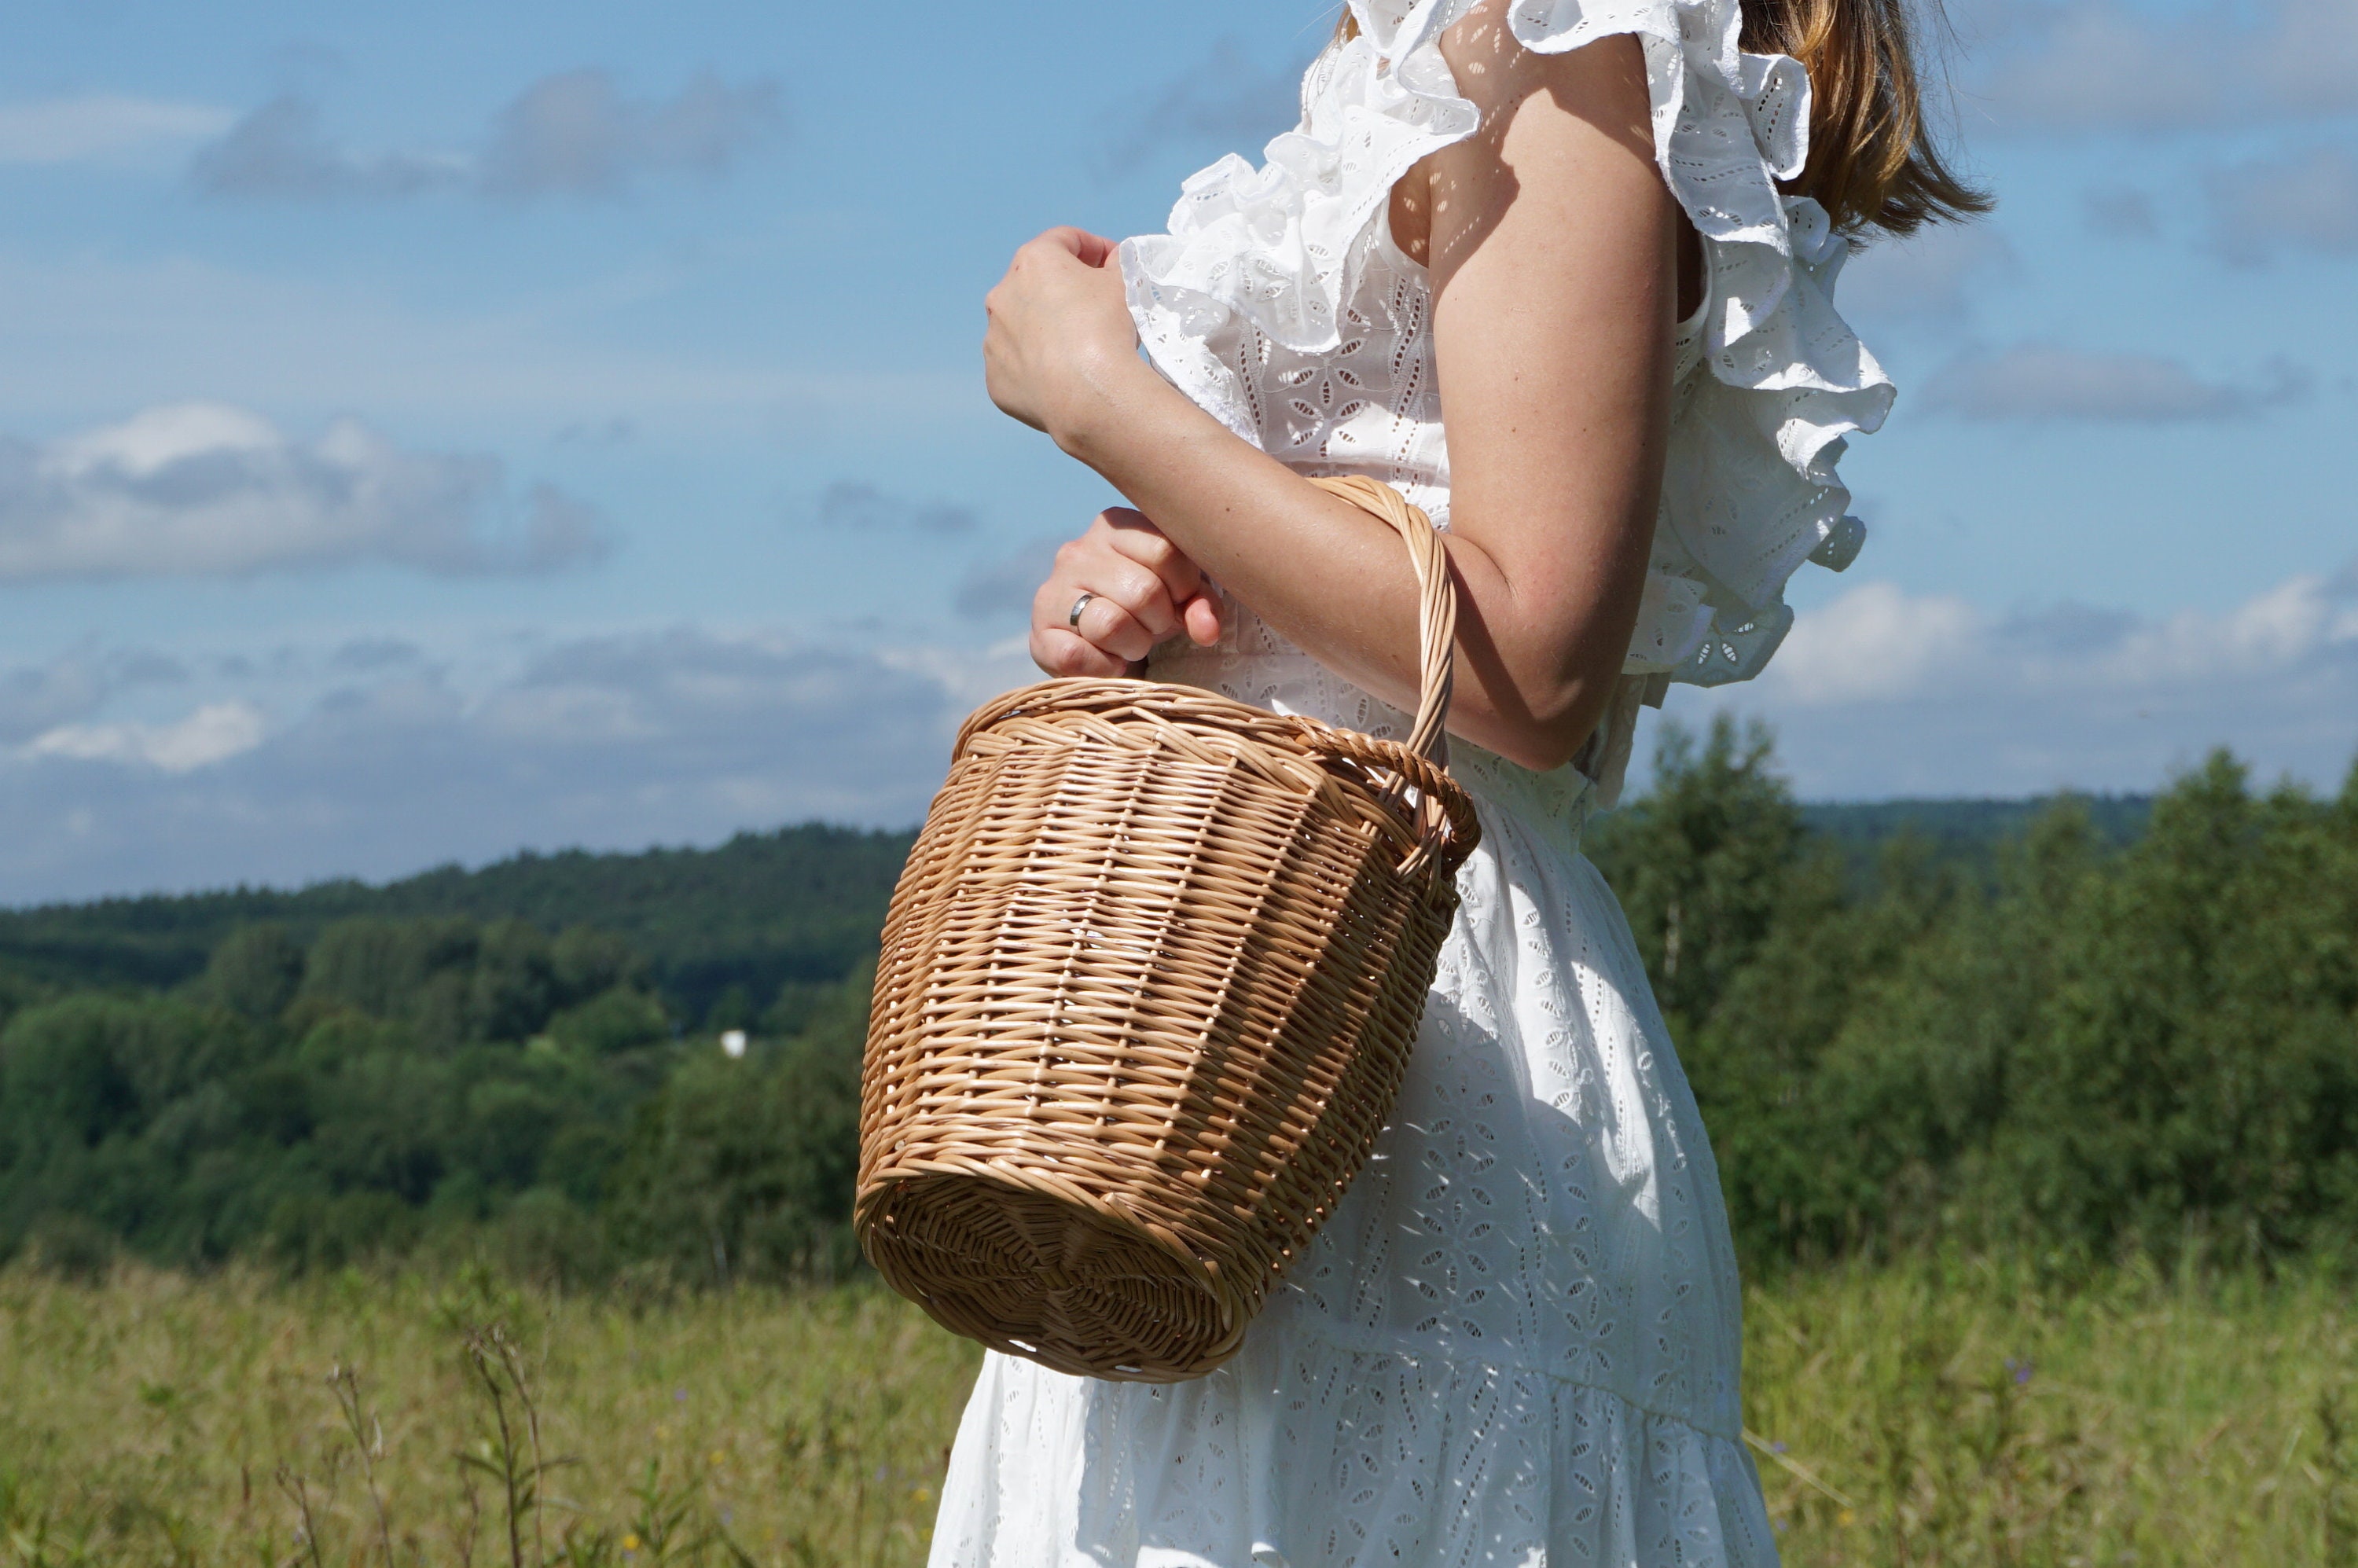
[{"x": 1516, "y": 1341}]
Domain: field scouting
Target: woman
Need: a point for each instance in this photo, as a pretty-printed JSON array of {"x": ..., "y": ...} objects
[{"x": 1604, "y": 236}]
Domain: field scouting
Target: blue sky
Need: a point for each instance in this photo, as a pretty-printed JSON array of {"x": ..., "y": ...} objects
[{"x": 433, "y": 430}]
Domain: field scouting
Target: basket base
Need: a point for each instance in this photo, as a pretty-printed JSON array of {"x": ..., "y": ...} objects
[{"x": 1043, "y": 1276}]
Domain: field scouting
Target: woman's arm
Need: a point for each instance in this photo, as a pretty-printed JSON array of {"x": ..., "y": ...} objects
[{"x": 1552, "y": 244}]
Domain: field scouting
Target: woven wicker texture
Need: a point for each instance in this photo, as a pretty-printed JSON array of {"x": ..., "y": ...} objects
[{"x": 1147, "y": 990}]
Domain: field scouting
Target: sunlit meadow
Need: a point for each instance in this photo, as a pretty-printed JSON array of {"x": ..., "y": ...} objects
[{"x": 1911, "y": 1415}]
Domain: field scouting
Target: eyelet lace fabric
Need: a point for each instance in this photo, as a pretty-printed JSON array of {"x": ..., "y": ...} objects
[
  {"x": 1517, "y": 1340},
  {"x": 1277, "y": 301}
]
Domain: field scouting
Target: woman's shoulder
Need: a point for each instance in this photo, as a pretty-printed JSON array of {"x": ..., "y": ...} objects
[
  {"x": 1752, "y": 491},
  {"x": 1492, "y": 65}
]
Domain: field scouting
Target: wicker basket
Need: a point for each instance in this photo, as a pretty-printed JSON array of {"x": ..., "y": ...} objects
[{"x": 1147, "y": 994}]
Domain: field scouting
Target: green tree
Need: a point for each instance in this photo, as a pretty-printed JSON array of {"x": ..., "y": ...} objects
[
  {"x": 1701, "y": 860},
  {"x": 255, "y": 972},
  {"x": 744, "y": 1169},
  {"x": 2195, "y": 1070}
]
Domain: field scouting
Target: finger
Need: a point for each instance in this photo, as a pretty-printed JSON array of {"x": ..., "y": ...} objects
[
  {"x": 1066, "y": 609},
  {"x": 1061, "y": 652},
  {"x": 1095, "y": 250},
  {"x": 1137, "y": 592},
  {"x": 1201, "y": 616},
  {"x": 1138, "y": 539},
  {"x": 1114, "y": 630},
  {"x": 1111, "y": 575}
]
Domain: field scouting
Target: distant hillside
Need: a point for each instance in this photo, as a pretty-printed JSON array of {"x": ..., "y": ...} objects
[
  {"x": 1962, "y": 832},
  {"x": 765, "y": 911},
  {"x": 802, "y": 905}
]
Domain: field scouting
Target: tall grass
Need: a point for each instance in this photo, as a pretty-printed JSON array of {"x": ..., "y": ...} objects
[
  {"x": 1966, "y": 1414},
  {"x": 1962, "y": 1414},
  {"x": 355, "y": 1421}
]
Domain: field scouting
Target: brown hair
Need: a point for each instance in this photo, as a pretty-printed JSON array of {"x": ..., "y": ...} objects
[{"x": 1874, "y": 164}]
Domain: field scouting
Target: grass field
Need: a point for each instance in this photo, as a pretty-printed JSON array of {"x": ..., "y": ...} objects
[{"x": 1905, "y": 1417}]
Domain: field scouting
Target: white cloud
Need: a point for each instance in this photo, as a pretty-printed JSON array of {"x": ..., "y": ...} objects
[
  {"x": 2307, "y": 202},
  {"x": 2044, "y": 381},
  {"x": 100, "y": 127},
  {"x": 969, "y": 678},
  {"x": 1879, "y": 642},
  {"x": 207, "y": 490},
  {"x": 573, "y": 134},
  {"x": 1874, "y": 641},
  {"x": 2299, "y": 619},
  {"x": 395, "y": 757},
  {"x": 1884, "y": 692},
  {"x": 610, "y": 742},
  {"x": 2107, "y": 65},
  {"x": 213, "y": 733}
]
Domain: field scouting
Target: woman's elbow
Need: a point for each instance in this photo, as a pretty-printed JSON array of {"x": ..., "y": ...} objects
[
  {"x": 1544, "y": 743},
  {"x": 1549, "y": 728},
  {"x": 1542, "y": 752},
  {"x": 1538, "y": 692}
]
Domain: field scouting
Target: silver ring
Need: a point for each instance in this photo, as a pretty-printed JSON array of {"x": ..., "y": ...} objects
[{"x": 1073, "y": 620}]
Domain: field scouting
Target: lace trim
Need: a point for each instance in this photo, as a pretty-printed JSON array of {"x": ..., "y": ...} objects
[
  {"x": 1305, "y": 1330},
  {"x": 1751, "y": 489}
]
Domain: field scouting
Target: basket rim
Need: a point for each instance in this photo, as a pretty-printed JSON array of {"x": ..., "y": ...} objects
[{"x": 1446, "y": 837}]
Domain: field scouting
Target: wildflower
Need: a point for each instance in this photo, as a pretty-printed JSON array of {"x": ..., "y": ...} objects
[
  {"x": 1777, "y": 1448},
  {"x": 630, "y": 1543},
  {"x": 1846, "y": 1518}
]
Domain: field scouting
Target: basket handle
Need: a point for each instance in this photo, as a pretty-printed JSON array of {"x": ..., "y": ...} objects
[{"x": 1436, "y": 609}]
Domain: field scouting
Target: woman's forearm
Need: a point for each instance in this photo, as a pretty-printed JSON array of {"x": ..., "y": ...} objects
[{"x": 1326, "y": 576}]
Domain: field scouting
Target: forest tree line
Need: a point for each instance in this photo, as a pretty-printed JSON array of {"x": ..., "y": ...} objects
[
  {"x": 2119, "y": 1031},
  {"x": 2084, "y": 1049}
]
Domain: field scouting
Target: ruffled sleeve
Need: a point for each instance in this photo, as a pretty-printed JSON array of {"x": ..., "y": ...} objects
[{"x": 1777, "y": 381}]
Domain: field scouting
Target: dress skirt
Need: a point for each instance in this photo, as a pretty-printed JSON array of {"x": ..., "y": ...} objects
[{"x": 1515, "y": 1344}]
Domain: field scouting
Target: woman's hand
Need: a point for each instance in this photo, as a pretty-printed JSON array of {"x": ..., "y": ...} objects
[
  {"x": 1060, "y": 335},
  {"x": 1141, "y": 590},
  {"x": 1060, "y": 330}
]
